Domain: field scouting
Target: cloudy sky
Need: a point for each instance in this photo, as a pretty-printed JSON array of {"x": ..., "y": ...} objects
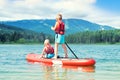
[{"x": 105, "y": 12}]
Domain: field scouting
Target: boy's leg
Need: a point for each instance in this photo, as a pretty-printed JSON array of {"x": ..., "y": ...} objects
[
  {"x": 56, "y": 50},
  {"x": 65, "y": 50}
]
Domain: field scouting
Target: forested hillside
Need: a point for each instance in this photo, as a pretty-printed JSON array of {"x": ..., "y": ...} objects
[
  {"x": 89, "y": 37},
  {"x": 11, "y": 34}
]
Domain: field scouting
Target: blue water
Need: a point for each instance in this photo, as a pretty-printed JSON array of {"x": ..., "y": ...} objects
[{"x": 13, "y": 65}]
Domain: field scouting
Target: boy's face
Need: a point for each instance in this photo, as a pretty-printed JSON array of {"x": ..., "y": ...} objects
[{"x": 47, "y": 44}]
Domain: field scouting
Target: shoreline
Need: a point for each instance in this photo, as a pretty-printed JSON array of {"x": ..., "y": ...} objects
[{"x": 118, "y": 43}]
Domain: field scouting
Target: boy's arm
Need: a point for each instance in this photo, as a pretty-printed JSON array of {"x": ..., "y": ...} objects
[
  {"x": 53, "y": 28},
  {"x": 43, "y": 52}
]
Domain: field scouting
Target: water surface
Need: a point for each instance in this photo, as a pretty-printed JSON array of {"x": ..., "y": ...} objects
[{"x": 13, "y": 65}]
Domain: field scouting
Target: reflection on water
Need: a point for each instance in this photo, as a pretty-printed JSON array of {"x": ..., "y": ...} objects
[{"x": 60, "y": 72}]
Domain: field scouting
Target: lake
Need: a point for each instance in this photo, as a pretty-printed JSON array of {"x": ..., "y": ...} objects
[{"x": 13, "y": 64}]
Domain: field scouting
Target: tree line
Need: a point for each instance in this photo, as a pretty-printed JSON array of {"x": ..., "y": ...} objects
[
  {"x": 12, "y": 34},
  {"x": 23, "y": 37},
  {"x": 89, "y": 37}
]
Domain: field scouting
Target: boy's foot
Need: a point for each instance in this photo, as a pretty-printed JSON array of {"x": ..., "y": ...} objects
[
  {"x": 54, "y": 58},
  {"x": 66, "y": 56}
]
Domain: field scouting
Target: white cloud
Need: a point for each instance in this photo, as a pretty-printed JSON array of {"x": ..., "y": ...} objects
[{"x": 37, "y": 9}]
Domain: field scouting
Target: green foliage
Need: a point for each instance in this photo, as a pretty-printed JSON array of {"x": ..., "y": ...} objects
[
  {"x": 88, "y": 37},
  {"x": 21, "y": 40},
  {"x": 10, "y": 34}
]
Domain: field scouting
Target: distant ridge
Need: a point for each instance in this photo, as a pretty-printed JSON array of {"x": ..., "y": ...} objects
[
  {"x": 44, "y": 25},
  {"x": 11, "y": 29}
]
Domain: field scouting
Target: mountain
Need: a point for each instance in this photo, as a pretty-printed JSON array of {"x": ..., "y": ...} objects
[
  {"x": 11, "y": 29},
  {"x": 44, "y": 25}
]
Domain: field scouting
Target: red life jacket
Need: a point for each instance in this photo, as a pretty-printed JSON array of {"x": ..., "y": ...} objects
[
  {"x": 49, "y": 49},
  {"x": 60, "y": 28}
]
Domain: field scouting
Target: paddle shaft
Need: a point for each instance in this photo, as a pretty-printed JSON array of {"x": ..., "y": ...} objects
[{"x": 71, "y": 50}]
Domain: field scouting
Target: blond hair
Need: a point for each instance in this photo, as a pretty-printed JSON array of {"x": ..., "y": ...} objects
[
  {"x": 46, "y": 42},
  {"x": 59, "y": 17}
]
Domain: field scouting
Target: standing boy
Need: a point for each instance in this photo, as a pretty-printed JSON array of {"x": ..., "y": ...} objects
[{"x": 59, "y": 29}]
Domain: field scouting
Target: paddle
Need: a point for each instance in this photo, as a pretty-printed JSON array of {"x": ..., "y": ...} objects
[{"x": 71, "y": 50}]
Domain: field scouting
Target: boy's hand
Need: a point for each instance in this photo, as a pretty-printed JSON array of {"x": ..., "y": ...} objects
[
  {"x": 52, "y": 28},
  {"x": 40, "y": 56}
]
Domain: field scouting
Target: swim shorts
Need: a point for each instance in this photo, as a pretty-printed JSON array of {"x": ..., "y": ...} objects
[{"x": 59, "y": 38}]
